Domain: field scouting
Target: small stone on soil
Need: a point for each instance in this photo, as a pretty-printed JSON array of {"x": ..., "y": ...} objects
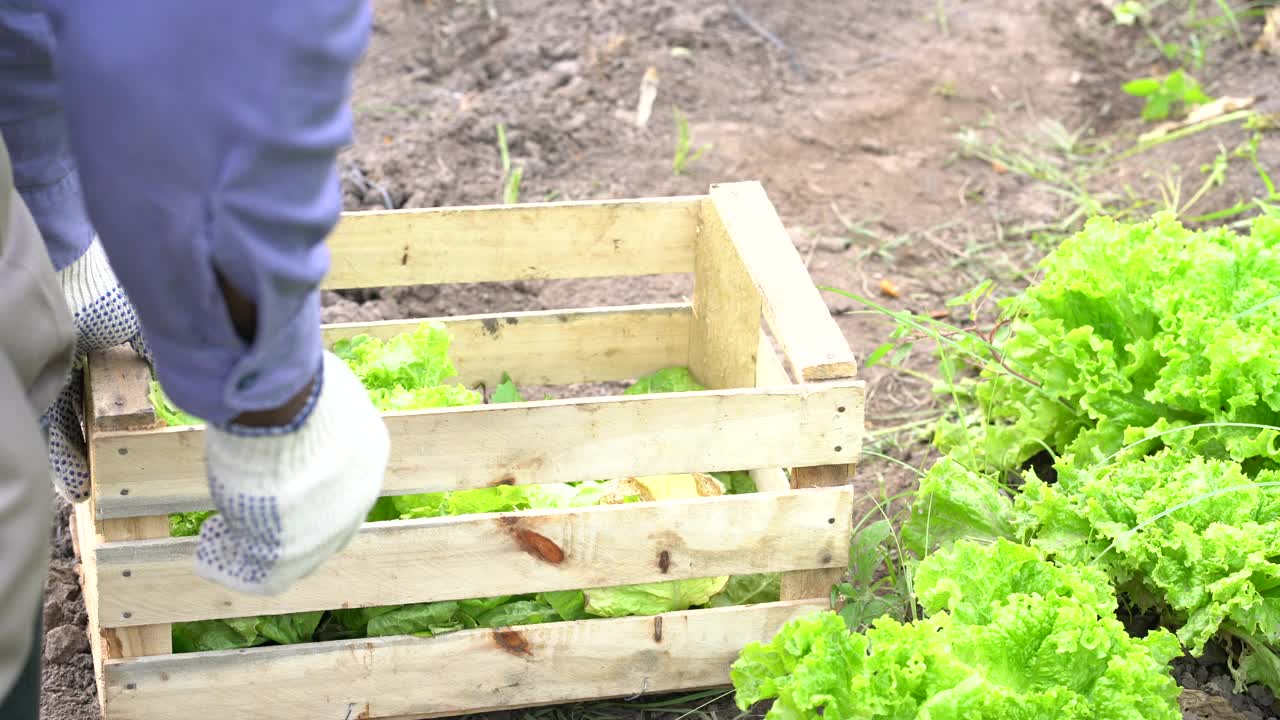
[{"x": 63, "y": 643}]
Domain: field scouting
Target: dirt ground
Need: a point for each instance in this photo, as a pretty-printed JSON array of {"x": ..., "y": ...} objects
[{"x": 881, "y": 131}]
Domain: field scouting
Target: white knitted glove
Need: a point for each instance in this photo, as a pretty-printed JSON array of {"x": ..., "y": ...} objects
[
  {"x": 104, "y": 318},
  {"x": 290, "y": 498}
]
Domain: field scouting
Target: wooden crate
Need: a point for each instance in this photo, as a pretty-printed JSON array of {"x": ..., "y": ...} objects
[{"x": 137, "y": 580}]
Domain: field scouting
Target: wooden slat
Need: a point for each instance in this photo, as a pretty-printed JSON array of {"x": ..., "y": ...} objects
[
  {"x": 124, "y": 379},
  {"x": 162, "y": 471},
  {"x": 82, "y": 519},
  {"x": 453, "y": 674},
  {"x": 513, "y": 242},
  {"x": 457, "y": 558},
  {"x": 142, "y": 639},
  {"x": 552, "y": 347},
  {"x": 555, "y": 347},
  {"x": 814, "y": 346},
  {"x": 726, "y": 311},
  {"x": 817, "y": 583},
  {"x": 118, "y": 382}
]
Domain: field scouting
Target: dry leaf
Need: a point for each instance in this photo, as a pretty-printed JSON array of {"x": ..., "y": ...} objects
[
  {"x": 940, "y": 314},
  {"x": 888, "y": 287},
  {"x": 1217, "y": 108},
  {"x": 1208, "y": 111},
  {"x": 662, "y": 487},
  {"x": 1269, "y": 41},
  {"x": 648, "y": 94},
  {"x": 1203, "y": 706}
]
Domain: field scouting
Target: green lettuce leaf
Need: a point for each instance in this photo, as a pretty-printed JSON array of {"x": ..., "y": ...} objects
[
  {"x": 506, "y": 392},
  {"x": 414, "y": 359},
  {"x": 652, "y": 598},
  {"x": 749, "y": 590},
  {"x": 422, "y": 619},
  {"x": 990, "y": 649},
  {"x": 1196, "y": 538},
  {"x": 187, "y": 524},
  {"x": 171, "y": 414},
  {"x": 290, "y": 628},
  {"x": 955, "y": 503},
  {"x": 202, "y": 635},
  {"x": 520, "y": 612},
  {"x": 808, "y": 668},
  {"x": 232, "y": 633},
  {"x": 408, "y": 371},
  {"x": 736, "y": 482},
  {"x": 568, "y": 604},
  {"x": 666, "y": 380},
  {"x": 1136, "y": 329}
]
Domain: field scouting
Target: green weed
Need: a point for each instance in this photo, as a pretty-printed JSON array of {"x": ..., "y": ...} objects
[
  {"x": 510, "y": 178},
  {"x": 1174, "y": 91},
  {"x": 684, "y": 143}
]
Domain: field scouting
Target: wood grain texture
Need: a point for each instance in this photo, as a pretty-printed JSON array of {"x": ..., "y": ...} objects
[
  {"x": 554, "y": 347},
  {"x": 513, "y": 242},
  {"x": 82, "y": 520},
  {"x": 816, "y": 583},
  {"x": 162, "y": 471},
  {"x": 143, "y": 639},
  {"x": 726, "y": 310},
  {"x": 463, "y": 672},
  {"x": 815, "y": 347},
  {"x": 473, "y": 556},
  {"x": 117, "y": 383}
]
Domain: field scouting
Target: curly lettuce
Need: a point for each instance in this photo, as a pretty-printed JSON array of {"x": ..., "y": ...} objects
[
  {"x": 1134, "y": 330},
  {"x": 1009, "y": 636},
  {"x": 1195, "y": 538}
]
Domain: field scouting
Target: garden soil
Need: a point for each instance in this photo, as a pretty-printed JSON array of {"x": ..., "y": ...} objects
[{"x": 848, "y": 112}]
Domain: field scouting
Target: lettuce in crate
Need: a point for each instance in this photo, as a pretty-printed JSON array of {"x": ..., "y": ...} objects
[
  {"x": 409, "y": 372},
  {"x": 1007, "y": 635}
]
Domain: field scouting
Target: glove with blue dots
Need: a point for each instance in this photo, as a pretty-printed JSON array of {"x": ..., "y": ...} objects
[
  {"x": 104, "y": 318},
  {"x": 289, "y": 498}
]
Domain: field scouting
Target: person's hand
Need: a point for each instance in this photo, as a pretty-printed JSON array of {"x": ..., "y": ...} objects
[
  {"x": 104, "y": 318},
  {"x": 290, "y": 497}
]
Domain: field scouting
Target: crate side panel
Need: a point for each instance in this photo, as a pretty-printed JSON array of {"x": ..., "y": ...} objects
[
  {"x": 452, "y": 674},
  {"x": 464, "y": 557},
  {"x": 513, "y": 242},
  {"x": 162, "y": 471}
]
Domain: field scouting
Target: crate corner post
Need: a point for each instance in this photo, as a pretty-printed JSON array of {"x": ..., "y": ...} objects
[
  {"x": 813, "y": 345},
  {"x": 117, "y": 384}
]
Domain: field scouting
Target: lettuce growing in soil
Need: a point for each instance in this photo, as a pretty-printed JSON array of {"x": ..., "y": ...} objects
[
  {"x": 1136, "y": 329},
  {"x": 1196, "y": 539},
  {"x": 1008, "y": 636},
  {"x": 409, "y": 372}
]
